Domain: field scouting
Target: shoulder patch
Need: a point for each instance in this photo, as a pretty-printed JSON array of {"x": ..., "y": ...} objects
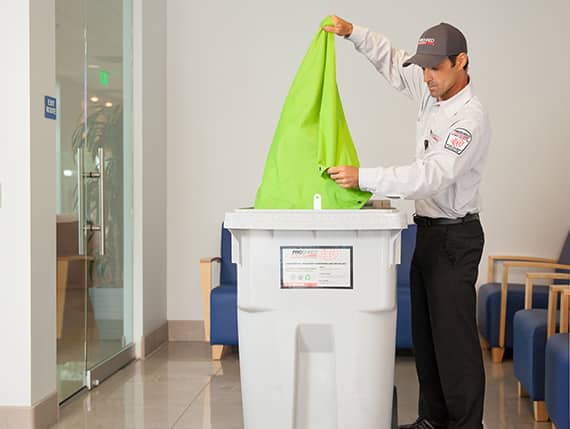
[{"x": 458, "y": 140}]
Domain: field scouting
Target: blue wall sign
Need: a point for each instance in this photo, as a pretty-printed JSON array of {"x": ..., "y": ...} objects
[{"x": 50, "y": 107}]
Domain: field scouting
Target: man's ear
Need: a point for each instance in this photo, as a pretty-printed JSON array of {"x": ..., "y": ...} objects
[{"x": 461, "y": 60}]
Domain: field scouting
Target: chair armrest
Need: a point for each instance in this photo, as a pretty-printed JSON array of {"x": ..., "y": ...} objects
[
  {"x": 206, "y": 286},
  {"x": 496, "y": 258},
  {"x": 210, "y": 260},
  {"x": 564, "y": 291},
  {"x": 530, "y": 277},
  {"x": 552, "y": 265}
]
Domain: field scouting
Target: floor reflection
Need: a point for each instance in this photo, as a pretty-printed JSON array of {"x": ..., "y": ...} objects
[{"x": 179, "y": 387}]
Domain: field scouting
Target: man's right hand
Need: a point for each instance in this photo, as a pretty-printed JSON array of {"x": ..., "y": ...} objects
[
  {"x": 345, "y": 176},
  {"x": 341, "y": 27}
]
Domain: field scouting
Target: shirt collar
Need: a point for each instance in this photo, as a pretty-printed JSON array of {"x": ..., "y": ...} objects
[{"x": 452, "y": 105}]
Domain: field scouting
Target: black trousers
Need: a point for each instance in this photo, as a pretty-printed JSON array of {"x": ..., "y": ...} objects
[{"x": 446, "y": 343}]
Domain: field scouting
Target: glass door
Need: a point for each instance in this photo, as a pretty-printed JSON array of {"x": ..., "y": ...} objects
[
  {"x": 72, "y": 268},
  {"x": 107, "y": 154},
  {"x": 94, "y": 157}
]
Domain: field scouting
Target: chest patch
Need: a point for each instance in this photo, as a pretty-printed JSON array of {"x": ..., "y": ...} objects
[
  {"x": 433, "y": 137},
  {"x": 458, "y": 140}
]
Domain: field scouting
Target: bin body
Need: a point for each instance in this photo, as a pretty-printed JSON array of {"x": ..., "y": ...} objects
[{"x": 316, "y": 316}]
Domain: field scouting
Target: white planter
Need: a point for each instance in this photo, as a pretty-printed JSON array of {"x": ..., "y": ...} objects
[{"x": 108, "y": 308}]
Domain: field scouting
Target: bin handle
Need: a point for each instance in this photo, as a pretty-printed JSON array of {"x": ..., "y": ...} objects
[
  {"x": 396, "y": 247},
  {"x": 236, "y": 254}
]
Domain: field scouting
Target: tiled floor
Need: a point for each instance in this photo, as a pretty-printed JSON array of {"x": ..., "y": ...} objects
[{"x": 179, "y": 387}]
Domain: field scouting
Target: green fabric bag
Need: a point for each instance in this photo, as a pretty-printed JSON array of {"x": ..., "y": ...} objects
[{"x": 311, "y": 136}]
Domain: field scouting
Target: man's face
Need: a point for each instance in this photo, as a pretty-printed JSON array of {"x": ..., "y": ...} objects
[{"x": 443, "y": 80}]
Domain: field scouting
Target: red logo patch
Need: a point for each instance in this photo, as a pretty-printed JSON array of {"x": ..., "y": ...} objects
[
  {"x": 423, "y": 41},
  {"x": 458, "y": 140}
]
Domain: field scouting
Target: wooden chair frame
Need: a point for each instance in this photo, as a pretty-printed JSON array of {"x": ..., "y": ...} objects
[
  {"x": 206, "y": 283},
  {"x": 510, "y": 261},
  {"x": 564, "y": 292},
  {"x": 539, "y": 407}
]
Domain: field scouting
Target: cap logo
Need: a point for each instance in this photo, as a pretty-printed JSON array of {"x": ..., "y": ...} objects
[{"x": 424, "y": 41}]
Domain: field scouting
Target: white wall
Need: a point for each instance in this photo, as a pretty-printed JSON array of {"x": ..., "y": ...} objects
[
  {"x": 230, "y": 65},
  {"x": 15, "y": 207},
  {"x": 43, "y": 201},
  {"x": 27, "y": 207},
  {"x": 149, "y": 86}
]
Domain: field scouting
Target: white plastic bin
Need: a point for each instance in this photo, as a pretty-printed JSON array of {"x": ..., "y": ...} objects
[{"x": 316, "y": 316}]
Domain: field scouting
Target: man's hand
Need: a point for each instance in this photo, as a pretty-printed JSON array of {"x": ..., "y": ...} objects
[
  {"x": 345, "y": 176},
  {"x": 341, "y": 27}
]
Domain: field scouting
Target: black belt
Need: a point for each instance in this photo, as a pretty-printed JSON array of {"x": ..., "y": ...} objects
[{"x": 431, "y": 221}]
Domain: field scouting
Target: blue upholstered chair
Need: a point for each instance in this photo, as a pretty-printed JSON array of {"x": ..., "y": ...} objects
[
  {"x": 557, "y": 392},
  {"x": 529, "y": 342},
  {"x": 404, "y": 321},
  {"x": 220, "y": 298},
  {"x": 497, "y": 302},
  {"x": 557, "y": 363}
]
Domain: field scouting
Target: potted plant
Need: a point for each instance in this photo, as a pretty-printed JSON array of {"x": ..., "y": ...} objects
[{"x": 103, "y": 127}]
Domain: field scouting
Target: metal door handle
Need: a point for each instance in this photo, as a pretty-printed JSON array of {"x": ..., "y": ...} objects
[
  {"x": 102, "y": 200},
  {"x": 80, "y": 203},
  {"x": 83, "y": 227}
]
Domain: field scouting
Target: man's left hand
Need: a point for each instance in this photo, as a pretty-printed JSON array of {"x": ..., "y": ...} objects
[
  {"x": 345, "y": 176},
  {"x": 340, "y": 27}
]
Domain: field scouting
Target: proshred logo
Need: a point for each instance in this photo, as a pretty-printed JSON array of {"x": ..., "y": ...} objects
[
  {"x": 423, "y": 41},
  {"x": 458, "y": 140},
  {"x": 303, "y": 253}
]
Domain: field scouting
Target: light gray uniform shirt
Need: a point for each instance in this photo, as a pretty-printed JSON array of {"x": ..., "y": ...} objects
[{"x": 452, "y": 138}]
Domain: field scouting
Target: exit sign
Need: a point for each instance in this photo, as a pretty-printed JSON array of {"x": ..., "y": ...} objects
[{"x": 50, "y": 107}]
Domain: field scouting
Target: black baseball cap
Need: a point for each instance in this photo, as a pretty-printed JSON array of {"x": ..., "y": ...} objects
[{"x": 436, "y": 44}]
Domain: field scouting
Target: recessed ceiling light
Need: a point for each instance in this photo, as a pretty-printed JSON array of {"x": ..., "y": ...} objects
[
  {"x": 67, "y": 173},
  {"x": 94, "y": 99},
  {"x": 108, "y": 104}
]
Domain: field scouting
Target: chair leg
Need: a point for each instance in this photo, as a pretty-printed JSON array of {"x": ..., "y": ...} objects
[
  {"x": 217, "y": 351},
  {"x": 540, "y": 413},
  {"x": 206, "y": 286},
  {"x": 62, "y": 271},
  {"x": 497, "y": 354},
  {"x": 521, "y": 391},
  {"x": 483, "y": 342}
]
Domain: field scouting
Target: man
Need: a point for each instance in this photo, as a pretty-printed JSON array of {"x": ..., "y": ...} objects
[{"x": 452, "y": 137}]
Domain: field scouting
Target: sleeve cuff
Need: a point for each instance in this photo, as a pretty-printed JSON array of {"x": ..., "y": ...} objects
[
  {"x": 358, "y": 34},
  {"x": 368, "y": 179}
]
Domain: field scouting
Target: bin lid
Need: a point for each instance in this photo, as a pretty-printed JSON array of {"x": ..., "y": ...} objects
[{"x": 314, "y": 220}]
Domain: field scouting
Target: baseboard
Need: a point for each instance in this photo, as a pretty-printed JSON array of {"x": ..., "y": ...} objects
[
  {"x": 186, "y": 330},
  {"x": 42, "y": 415},
  {"x": 154, "y": 340}
]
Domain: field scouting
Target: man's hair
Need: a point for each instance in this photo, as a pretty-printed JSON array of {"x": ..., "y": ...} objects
[{"x": 453, "y": 59}]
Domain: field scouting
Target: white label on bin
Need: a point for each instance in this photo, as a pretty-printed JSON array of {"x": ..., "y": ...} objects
[{"x": 324, "y": 267}]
